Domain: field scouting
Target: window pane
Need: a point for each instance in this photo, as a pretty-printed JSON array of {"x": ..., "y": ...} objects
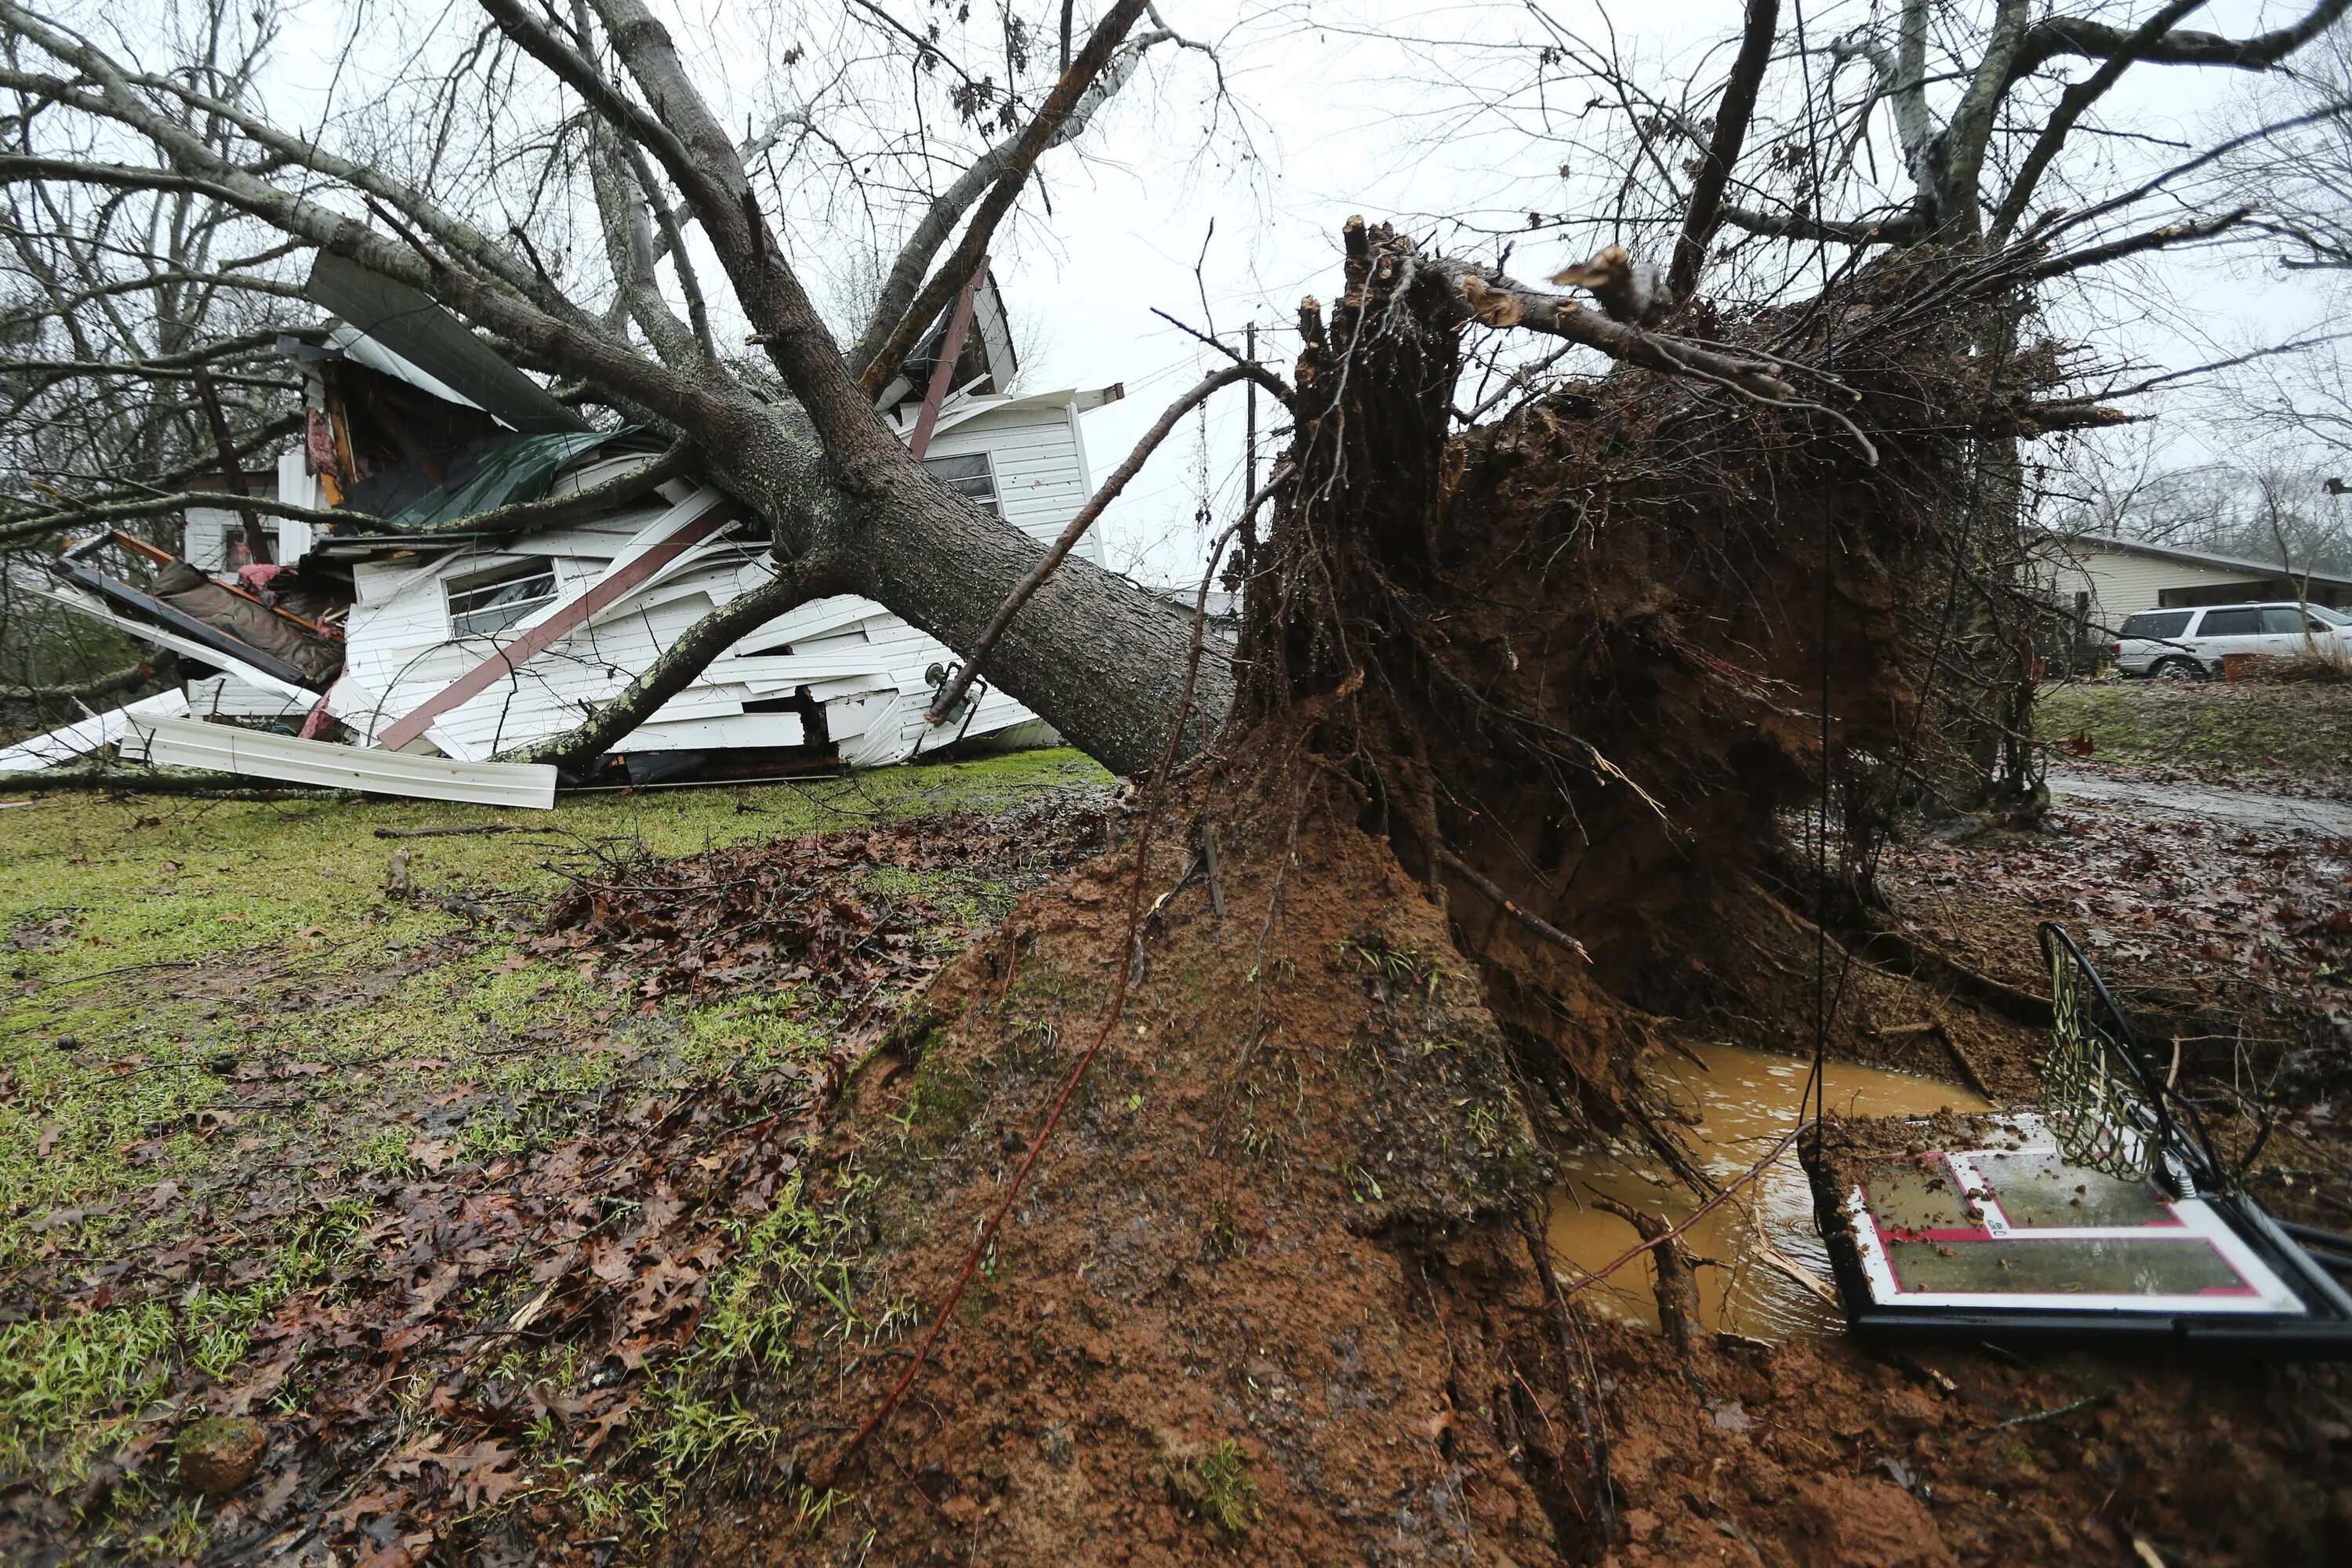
[
  {"x": 2282, "y": 621},
  {"x": 2157, "y": 624},
  {"x": 2230, "y": 624},
  {"x": 496, "y": 601},
  {"x": 2103, "y": 1266},
  {"x": 969, "y": 476}
]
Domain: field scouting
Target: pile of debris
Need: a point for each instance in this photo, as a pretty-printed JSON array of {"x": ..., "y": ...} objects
[{"x": 455, "y": 567}]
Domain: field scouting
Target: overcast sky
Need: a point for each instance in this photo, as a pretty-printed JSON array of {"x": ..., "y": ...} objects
[
  {"x": 1341, "y": 124},
  {"x": 1369, "y": 106}
]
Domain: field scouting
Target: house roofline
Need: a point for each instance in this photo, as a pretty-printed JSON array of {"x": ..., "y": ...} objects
[
  {"x": 2198, "y": 557},
  {"x": 961, "y": 407}
]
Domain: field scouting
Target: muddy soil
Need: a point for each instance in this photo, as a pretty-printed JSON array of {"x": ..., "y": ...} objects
[{"x": 1242, "y": 1312}]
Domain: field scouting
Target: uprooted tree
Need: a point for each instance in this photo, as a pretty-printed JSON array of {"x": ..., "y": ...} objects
[{"x": 1498, "y": 792}]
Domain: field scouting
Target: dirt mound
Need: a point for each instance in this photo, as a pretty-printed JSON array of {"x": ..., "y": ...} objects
[
  {"x": 1264, "y": 1290},
  {"x": 1241, "y": 1313}
]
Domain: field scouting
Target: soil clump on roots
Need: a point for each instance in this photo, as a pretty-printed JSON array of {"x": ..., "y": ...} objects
[{"x": 1254, "y": 1293}]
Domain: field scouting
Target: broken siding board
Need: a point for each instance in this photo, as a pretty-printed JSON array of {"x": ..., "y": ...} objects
[
  {"x": 784, "y": 676},
  {"x": 687, "y": 525},
  {"x": 71, "y": 742},
  {"x": 817, "y": 619},
  {"x": 587, "y": 664},
  {"x": 696, "y": 734},
  {"x": 826, "y": 664},
  {"x": 555, "y": 690},
  {"x": 225, "y": 697}
]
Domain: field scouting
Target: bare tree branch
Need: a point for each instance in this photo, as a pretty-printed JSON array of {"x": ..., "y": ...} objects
[
  {"x": 1731, "y": 118},
  {"x": 1895, "y": 228},
  {"x": 2077, "y": 99},
  {"x": 2054, "y": 36},
  {"x": 957, "y": 270}
]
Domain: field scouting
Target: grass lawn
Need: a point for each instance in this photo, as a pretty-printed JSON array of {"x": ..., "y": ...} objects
[
  {"x": 2258, "y": 734},
  {"x": 232, "y": 1059}
]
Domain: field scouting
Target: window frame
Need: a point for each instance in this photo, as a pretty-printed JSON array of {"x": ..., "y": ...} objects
[
  {"x": 530, "y": 569},
  {"x": 993, "y": 501}
]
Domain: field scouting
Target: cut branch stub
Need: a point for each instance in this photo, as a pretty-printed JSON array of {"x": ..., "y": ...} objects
[{"x": 1499, "y": 302}]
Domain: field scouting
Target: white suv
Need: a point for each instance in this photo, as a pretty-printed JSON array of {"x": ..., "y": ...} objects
[{"x": 2188, "y": 645}]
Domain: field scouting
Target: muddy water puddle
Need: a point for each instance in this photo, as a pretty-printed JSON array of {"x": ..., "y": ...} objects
[{"x": 1741, "y": 1102}]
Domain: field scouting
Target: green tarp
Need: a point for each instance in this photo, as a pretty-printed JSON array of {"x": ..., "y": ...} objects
[{"x": 513, "y": 469}]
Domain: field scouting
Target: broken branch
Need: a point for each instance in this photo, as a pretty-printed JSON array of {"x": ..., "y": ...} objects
[
  {"x": 1497, "y": 301},
  {"x": 1509, "y": 906}
]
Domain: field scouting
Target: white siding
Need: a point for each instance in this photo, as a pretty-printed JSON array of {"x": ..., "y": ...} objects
[
  {"x": 225, "y": 697},
  {"x": 867, "y": 665},
  {"x": 2123, "y": 581},
  {"x": 205, "y": 542},
  {"x": 1041, "y": 476}
]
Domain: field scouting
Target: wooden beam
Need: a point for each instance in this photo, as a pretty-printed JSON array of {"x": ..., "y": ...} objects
[{"x": 944, "y": 371}]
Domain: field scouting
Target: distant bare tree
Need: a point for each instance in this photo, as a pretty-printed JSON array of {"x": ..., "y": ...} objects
[{"x": 135, "y": 327}]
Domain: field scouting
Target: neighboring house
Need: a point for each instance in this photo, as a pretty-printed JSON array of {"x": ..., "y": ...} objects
[
  {"x": 2098, "y": 579},
  {"x": 426, "y": 638}
]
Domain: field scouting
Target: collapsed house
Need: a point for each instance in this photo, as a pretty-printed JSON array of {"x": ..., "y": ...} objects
[{"x": 423, "y": 628}]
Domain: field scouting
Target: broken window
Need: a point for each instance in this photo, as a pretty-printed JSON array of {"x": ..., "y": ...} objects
[
  {"x": 492, "y": 601},
  {"x": 970, "y": 476}
]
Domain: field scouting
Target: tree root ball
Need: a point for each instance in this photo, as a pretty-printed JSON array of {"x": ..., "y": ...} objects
[{"x": 219, "y": 1453}]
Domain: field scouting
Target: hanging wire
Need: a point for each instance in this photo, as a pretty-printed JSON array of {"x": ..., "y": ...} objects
[{"x": 1814, "y": 1102}]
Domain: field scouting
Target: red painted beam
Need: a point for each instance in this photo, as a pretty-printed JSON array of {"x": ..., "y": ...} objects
[
  {"x": 544, "y": 636},
  {"x": 958, "y": 325}
]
